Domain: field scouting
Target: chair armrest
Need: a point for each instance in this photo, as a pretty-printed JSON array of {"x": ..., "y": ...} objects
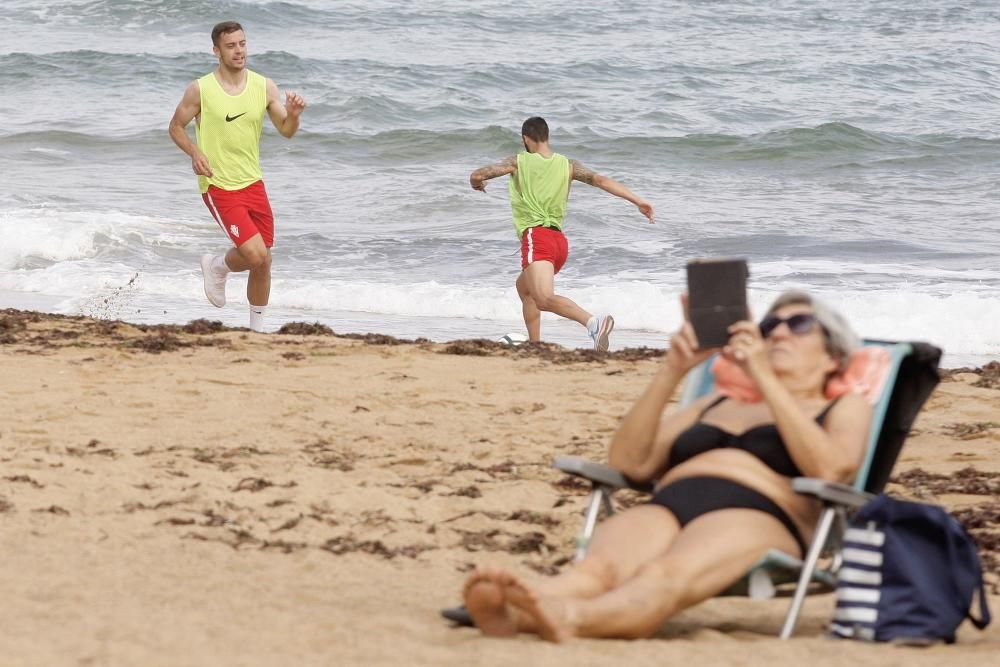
[
  {"x": 599, "y": 473},
  {"x": 832, "y": 493}
]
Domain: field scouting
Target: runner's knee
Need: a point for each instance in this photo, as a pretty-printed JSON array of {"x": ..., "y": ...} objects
[{"x": 256, "y": 258}]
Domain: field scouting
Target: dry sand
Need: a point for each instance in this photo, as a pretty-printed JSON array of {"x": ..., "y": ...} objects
[{"x": 214, "y": 497}]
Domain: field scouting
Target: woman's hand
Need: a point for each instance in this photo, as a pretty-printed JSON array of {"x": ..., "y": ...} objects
[
  {"x": 747, "y": 348},
  {"x": 684, "y": 353}
]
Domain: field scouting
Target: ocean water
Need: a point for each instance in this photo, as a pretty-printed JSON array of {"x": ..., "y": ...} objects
[{"x": 848, "y": 148}]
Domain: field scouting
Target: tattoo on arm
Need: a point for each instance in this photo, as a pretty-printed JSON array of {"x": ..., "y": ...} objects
[
  {"x": 583, "y": 174},
  {"x": 501, "y": 168}
]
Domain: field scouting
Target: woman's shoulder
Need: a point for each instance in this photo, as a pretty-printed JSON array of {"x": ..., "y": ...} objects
[
  {"x": 684, "y": 416},
  {"x": 707, "y": 402},
  {"x": 851, "y": 405}
]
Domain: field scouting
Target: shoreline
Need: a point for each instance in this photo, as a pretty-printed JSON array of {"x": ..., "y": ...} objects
[
  {"x": 989, "y": 367},
  {"x": 119, "y": 304},
  {"x": 332, "y": 492},
  {"x": 123, "y": 304}
]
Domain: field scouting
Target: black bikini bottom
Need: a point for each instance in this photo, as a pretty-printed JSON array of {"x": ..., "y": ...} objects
[{"x": 689, "y": 498}]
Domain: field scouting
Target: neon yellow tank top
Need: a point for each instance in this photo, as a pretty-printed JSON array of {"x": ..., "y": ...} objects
[
  {"x": 228, "y": 131},
  {"x": 539, "y": 191}
]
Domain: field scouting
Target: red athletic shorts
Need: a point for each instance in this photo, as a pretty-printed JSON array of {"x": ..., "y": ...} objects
[
  {"x": 242, "y": 213},
  {"x": 544, "y": 243}
]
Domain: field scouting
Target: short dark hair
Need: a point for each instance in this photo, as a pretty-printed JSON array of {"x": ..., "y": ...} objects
[
  {"x": 536, "y": 129},
  {"x": 224, "y": 28}
]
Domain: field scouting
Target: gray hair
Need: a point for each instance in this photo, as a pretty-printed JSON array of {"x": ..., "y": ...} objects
[{"x": 840, "y": 338}]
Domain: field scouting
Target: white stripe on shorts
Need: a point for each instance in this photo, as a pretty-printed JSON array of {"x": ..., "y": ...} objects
[
  {"x": 215, "y": 212},
  {"x": 531, "y": 247}
]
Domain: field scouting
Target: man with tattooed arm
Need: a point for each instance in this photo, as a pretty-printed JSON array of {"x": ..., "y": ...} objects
[{"x": 539, "y": 186}]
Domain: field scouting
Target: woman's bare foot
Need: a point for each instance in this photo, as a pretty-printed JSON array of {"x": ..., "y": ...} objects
[
  {"x": 549, "y": 617},
  {"x": 486, "y": 602}
]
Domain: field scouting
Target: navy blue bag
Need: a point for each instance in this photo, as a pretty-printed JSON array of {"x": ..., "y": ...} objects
[{"x": 909, "y": 575}]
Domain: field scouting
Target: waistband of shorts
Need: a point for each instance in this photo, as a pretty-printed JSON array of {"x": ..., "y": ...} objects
[{"x": 212, "y": 187}]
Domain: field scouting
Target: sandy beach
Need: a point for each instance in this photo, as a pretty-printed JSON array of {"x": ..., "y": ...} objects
[{"x": 206, "y": 496}]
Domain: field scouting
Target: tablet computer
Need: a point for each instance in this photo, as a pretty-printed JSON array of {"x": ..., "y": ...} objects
[{"x": 717, "y": 298}]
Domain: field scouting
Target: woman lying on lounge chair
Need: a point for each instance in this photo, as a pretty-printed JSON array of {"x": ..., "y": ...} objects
[{"x": 724, "y": 495}]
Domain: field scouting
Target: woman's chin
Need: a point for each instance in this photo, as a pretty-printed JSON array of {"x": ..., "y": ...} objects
[{"x": 781, "y": 361}]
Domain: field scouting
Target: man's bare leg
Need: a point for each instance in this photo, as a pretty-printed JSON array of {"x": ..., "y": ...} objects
[
  {"x": 539, "y": 280},
  {"x": 532, "y": 316},
  {"x": 255, "y": 257},
  {"x": 259, "y": 283}
]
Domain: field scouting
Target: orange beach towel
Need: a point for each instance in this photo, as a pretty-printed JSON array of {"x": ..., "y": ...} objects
[{"x": 866, "y": 374}]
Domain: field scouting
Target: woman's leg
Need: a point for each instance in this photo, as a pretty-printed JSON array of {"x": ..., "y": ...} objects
[
  {"x": 621, "y": 546},
  {"x": 708, "y": 555}
]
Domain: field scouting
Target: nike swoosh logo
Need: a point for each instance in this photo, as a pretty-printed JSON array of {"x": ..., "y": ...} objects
[{"x": 230, "y": 119}]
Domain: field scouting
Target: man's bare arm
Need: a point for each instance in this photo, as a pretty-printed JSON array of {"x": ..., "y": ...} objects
[
  {"x": 186, "y": 111},
  {"x": 479, "y": 177},
  {"x": 611, "y": 186},
  {"x": 284, "y": 117},
  {"x": 583, "y": 174}
]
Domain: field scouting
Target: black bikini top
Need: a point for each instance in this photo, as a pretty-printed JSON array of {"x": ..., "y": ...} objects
[{"x": 762, "y": 441}]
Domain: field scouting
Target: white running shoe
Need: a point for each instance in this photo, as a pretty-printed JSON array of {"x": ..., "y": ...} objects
[
  {"x": 215, "y": 284},
  {"x": 601, "y": 331}
]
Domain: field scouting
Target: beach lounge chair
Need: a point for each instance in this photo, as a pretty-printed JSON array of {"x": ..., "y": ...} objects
[{"x": 911, "y": 377}]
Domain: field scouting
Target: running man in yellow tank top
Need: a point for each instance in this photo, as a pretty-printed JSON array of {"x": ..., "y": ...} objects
[
  {"x": 228, "y": 108},
  {"x": 539, "y": 186}
]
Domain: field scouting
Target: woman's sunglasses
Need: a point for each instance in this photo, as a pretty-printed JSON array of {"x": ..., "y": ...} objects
[{"x": 799, "y": 325}]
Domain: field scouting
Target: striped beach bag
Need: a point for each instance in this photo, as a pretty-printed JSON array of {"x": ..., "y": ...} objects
[{"x": 910, "y": 575}]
